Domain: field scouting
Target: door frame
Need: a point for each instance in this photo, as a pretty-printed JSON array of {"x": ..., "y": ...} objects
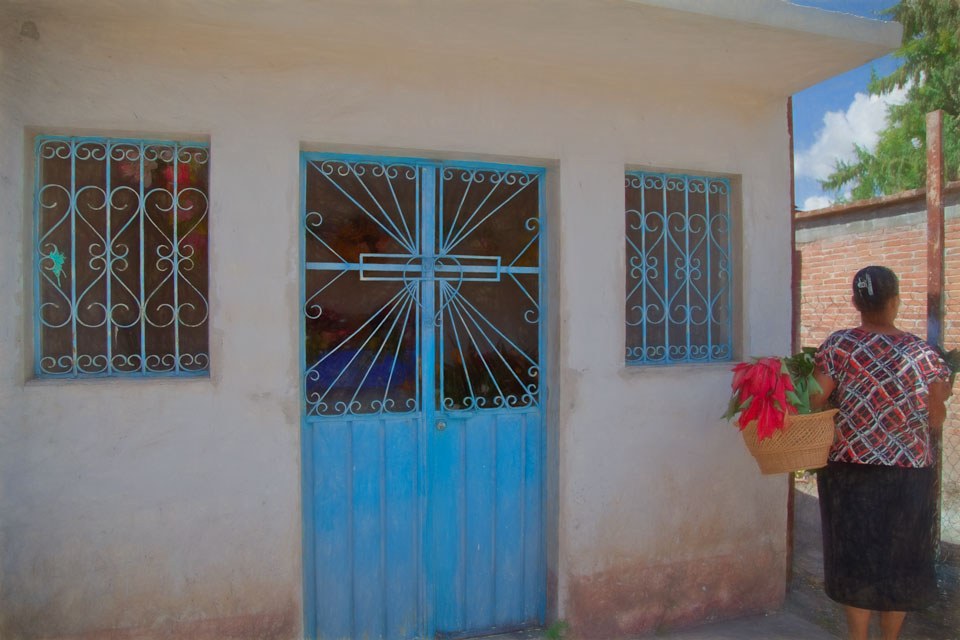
[{"x": 548, "y": 527}]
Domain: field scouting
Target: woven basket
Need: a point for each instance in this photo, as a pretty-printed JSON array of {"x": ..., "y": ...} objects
[{"x": 803, "y": 443}]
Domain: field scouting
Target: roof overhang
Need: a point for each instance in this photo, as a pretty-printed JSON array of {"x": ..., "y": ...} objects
[
  {"x": 766, "y": 47},
  {"x": 781, "y": 46}
]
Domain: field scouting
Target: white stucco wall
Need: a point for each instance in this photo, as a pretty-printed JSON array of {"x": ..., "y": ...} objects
[{"x": 140, "y": 503}]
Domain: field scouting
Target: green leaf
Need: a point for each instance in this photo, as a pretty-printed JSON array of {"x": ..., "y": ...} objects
[{"x": 733, "y": 407}]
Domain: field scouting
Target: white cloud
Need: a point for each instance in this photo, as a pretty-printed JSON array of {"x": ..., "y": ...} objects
[
  {"x": 816, "y": 202},
  {"x": 859, "y": 124}
]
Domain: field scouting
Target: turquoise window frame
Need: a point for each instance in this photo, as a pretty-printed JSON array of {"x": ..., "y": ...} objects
[
  {"x": 120, "y": 264},
  {"x": 679, "y": 288}
]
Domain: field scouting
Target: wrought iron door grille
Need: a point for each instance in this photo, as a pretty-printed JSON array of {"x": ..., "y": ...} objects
[
  {"x": 678, "y": 285},
  {"x": 120, "y": 257},
  {"x": 457, "y": 241}
]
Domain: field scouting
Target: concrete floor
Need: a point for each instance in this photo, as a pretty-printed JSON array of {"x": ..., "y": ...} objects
[{"x": 778, "y": 626}]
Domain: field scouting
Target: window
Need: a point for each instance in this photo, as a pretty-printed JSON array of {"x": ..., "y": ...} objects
[
  {"x": 120, "y": 257},
  {"x": 678, "y": 268}
]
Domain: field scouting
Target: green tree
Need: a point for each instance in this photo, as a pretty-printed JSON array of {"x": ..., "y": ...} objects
[{"x": 930, "y": 55}]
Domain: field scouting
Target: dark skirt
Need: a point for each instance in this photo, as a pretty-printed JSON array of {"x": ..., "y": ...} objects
[{"x": 879, "y": 536}]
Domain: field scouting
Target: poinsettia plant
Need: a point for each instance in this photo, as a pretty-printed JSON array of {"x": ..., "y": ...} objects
[{"x": 768, "y": 389}]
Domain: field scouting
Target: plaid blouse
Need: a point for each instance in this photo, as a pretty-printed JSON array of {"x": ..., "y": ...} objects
[{"x": 882, "y": 382}]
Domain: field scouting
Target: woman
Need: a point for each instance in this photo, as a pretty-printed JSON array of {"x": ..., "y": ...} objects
[{"x": 877, "y": 504}]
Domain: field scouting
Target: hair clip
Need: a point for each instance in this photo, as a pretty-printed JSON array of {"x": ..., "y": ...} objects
[{"x": 865, "y": 284}]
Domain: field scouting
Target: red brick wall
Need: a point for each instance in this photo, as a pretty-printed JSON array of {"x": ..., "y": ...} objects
[{"x": 828, "y": 267}]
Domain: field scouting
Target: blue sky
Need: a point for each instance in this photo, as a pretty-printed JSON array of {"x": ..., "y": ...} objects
[{"x": 830, "y": 116}]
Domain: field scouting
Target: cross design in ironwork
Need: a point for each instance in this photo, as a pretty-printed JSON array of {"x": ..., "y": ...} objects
[{"x": 388, "y": 266}]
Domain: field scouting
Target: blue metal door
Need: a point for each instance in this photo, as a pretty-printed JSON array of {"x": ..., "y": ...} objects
[{"x": 423, "y": 430}]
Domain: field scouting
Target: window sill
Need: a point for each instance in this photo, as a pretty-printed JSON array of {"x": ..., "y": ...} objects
[
  {"x": 117, "y": 381},
  {"x": 692, "y": 368}
]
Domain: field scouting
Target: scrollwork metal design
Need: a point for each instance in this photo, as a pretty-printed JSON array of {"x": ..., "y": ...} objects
[
  {"x": 120, "y": 257},
  {"x": 678, "y": 268},
  {"x": 387, "y": 214},
  {"x": 490, "y": 368},
  {"x": 355, "y": 374}
]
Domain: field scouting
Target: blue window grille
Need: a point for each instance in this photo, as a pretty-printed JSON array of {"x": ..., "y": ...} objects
[
  {"x": 120, "y": 257},
  {"x": 678, "y": 302}
]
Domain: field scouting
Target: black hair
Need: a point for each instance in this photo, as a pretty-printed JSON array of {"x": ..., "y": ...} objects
[{"x": 873, "y": 287}]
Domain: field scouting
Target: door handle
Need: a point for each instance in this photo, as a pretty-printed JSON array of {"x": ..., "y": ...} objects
[{"x": 441, "y": 425}]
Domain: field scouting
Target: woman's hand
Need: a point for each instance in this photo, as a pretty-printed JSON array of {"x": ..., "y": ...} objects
[{"x": 937, "y": 398}]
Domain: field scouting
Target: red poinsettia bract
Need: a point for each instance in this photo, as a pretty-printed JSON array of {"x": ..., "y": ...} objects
[
  {"x": 761, "y": 387},
  {"x": 182, "y": 174}
]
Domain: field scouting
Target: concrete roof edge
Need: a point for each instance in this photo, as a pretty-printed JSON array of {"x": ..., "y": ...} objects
[{"x": 781, "y": 14}]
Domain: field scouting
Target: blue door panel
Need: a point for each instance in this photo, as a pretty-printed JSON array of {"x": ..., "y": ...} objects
[
  {"x": 485, "y": 579},
  {"x": 534, "y": 556},
  {"x": 508, "y": 519},
  {"x": 481, "y": 495},
  {"x": 402, "y": 528},
  {"x": 332, "y": 525},
  {"x": 445, "y": 537},
  {"x": 369, "y": 543},
  {"x": 365, "y": 528}
]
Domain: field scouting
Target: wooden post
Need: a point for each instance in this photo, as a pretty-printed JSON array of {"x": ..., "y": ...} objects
[
  {"x": 935, "y": 276},
  {"x": 795, "y": 270}
]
